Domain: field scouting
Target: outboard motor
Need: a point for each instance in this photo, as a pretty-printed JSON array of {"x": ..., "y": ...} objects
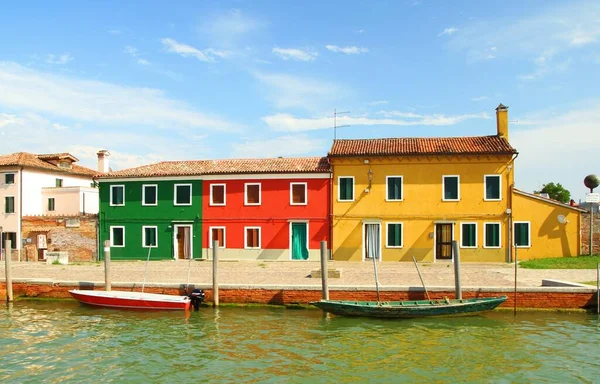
[{"x": 196, "y": 298}]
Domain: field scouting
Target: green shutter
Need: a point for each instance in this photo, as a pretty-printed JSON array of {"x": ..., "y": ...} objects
[
  {"x": 394, "y": 188},
  {"x": 451, "y": 188},
  {"x": 492, "y": 235},
  {"x": 469, "y": 235},
  {"x": 492, "y": 187},
  {"x": 394, "y": 235},
  {"x": 522, "y": 234},
  {"x": 346, "y": 188}
]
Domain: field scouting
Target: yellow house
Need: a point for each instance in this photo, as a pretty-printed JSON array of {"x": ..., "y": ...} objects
[{"x": 402, "y": 197}]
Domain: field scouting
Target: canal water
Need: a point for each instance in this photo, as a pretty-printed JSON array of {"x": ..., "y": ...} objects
[{"x": 55, "y": 341}]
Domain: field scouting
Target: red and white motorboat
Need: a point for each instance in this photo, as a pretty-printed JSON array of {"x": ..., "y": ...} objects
[{"x": 131, "y": 300}]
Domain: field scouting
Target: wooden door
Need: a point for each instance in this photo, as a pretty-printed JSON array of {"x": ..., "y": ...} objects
[{"x": 443, "y": 241}]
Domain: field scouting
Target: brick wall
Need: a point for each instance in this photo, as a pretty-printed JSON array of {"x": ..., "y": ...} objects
[
  {"x": 585, "y": 234},
  {"x": 73, "y": 234}
]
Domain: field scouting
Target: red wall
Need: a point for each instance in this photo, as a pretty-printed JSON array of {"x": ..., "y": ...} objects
[{"x": 272, "y": 215}]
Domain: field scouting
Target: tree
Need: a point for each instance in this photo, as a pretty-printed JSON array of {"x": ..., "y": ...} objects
[{"x": 556, "y": 192}]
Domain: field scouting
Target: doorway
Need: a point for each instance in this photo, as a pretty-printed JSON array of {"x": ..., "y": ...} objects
[
  {"x": 183, "y": 241},
  {"x": 372, "y": 241},
  {"x": 299, "y": 241},
  {"x": 443, "y": 241}
]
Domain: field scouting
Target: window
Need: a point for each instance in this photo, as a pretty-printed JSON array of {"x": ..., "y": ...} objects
[
  {"x": 394, "y": 235},
  {"x": 252, "y": 237},
  {"x": 51, "y": 205},
  {"x": 217, "y": 194},
  {"x": 346, "y": 188},
  {"x": 491, "y": 235},
  {"x": 183, "y": 194},
  {"x": 59, "y": 182},
  {"x": 150, "y": 194},
  {"x": 9, "y": 204},
  {"x": 117, "y": 236},
  {"x": 492, "y": 187},
  {"x": 298, "y": 193},
  {"x": 117, "y": 195},
  {"x": 522, "y": 234},
  {"x": 12, "y": 236},
  {"x": 149, "y": 237},
  {"x": 216, "y": 234},
  {"x": 9, "y": 178},
  {"x": 252, "y": 194},
  {"x": 394, "y": 188},
  {"x": 468, "y": 235},
  {"x": 451, "y": 188}
]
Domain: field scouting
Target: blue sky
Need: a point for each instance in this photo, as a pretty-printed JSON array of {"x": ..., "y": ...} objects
[{"x": 152, "y": 81}]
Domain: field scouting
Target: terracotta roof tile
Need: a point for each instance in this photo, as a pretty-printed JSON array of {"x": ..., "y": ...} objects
[
  {"x": 225, "y": 167},
  {"x": 411, "y": 146},
  {"x": 24, "y": 159}
]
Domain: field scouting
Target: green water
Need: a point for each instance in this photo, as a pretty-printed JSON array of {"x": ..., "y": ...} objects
[{"x": 66, "y": 342}]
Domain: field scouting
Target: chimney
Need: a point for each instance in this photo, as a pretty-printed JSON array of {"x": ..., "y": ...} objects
[
  {"x": 502, "y": 120},
  {"x": 103, "y": 156}
]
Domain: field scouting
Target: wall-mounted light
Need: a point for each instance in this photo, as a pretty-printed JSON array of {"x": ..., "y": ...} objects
[{"x": 370, "y": 175}]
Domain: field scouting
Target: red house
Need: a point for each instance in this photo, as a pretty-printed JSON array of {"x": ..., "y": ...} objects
[{"x": 266, "y": 209}]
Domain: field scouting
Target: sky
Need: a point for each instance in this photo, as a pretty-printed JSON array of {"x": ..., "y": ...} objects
[{"x": 151, "y": 81}]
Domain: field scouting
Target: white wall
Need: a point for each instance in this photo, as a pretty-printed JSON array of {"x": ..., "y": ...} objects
[
  {"x": 34, "y": 181},
  {"x": 10, "y": 222}
]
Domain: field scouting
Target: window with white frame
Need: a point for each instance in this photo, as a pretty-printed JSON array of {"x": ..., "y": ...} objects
[
  {"x": 252, "y": 193},
  {"x": 117, "y": 236},
  {"x": 394, "y": 235},
  {"x": 117, "y": 195},
  {"x": 298, "y": 192},
  {"x": 59, "y": 182},
  {"x": 149, "y": 236},
  {"x": 9, "y": 204},
  {"x": 9, "y": 178},
  {"x": 216, "y": 234},
  {"x": 468, "y": 235},
  {"x": 252, "y": 237},
  {"x": 346, "y": 188},
  {"x": 394, "y": 188},
  {"x": 522, "y": 234},
  {"x": 491, "y": 235},
  {"x": 183, "y": 194},
  {"x": 493, "y": 185},
  {"x": 451, "y": 188},
  {"x": 217, "y": 194},
  {"x": 150, "y": 194},
  {"x": 51, "y": 204}
]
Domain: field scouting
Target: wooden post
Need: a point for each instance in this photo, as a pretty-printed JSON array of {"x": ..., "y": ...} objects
[
  {"x": 598, "y": 289},
  {"x": 591, "y": 229},
  {"x": 107, "y": 265},
  {"x": 215, "y": 285},
  {"x": 324, "y": 273},
  {"x": 7, "y": 260},
  {"x": 456, "y": 252},
  {"x": 516, "y": 264}
]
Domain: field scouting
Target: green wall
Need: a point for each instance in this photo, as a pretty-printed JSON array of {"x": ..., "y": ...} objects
[{"x": 133, "y": 216}]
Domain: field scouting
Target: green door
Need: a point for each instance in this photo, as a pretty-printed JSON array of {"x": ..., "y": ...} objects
[{"x": 299, "y": 241}]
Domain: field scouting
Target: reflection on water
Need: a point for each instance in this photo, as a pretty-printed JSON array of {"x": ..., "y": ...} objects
[{"x": 64, "y": 341}]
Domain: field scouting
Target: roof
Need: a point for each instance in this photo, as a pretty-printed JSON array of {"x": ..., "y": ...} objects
[
  {"x": 225, "y": 167},
  {"x": 30, "y": 160},
  {"x": 548, "y": 200},
  {"x": 415, "y": 146}
]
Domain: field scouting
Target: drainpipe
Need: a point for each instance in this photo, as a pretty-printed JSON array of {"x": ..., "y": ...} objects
[
  {"x": 510, "y": 207},
  {"x": 20, "y": 224},
  {"x": 330, "y": 212}
]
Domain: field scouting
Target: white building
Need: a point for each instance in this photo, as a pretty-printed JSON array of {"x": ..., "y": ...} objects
[{"x": 48, "y": 184}]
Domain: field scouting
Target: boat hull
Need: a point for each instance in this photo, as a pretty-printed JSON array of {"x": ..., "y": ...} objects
[
  {"x": 131, "y": 300},
  {"x": 410, "y": 309}
]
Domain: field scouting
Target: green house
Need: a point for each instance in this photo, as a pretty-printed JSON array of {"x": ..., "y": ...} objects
[{"x": 152, "y": 216}]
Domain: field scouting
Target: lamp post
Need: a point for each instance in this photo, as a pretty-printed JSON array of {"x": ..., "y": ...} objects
[{"x": 591, "y": 181}]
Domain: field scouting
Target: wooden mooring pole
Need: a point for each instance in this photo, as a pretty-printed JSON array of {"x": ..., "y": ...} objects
[
  {"x": 7, "y": 260},
  {"x": 516, "y": 265},
  {"x": 107, "y": 265},
  {"x": 324, "y": 270},
  {"x": 215, "y": 285},
  {"x": 598, "y": 289},
  {"x": 456, "y": 252}
]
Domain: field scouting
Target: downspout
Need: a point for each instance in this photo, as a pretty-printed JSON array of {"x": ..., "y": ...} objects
[
  {"x": 20, "y": 224},
  {"x": 330, "y": 203},
  {"x": 510, "y": 207}
]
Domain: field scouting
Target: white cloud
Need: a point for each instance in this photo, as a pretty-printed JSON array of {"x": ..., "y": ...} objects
[
  {"x": 377, "y": 102},
  {"x": 98, "y": 102},
  {"x": 347, "y": 50},
  {"x": 290, "y": 123},
  {"x": 58, "y": 59},
  {"x": 114, "y": 31},
  {"x": 131, "y": 51},
  {"x": 545, "y": 68},
  {"x": 287, "y": 91},
  {"x": 480, "y": 98},
  {"x": 295, "y": 54},
  {"x": 229, "y": 29},
  {"x": 286, "y": 146},
  {"x": 448, "y": 31},
  {"x": 558, "y": 145},
  {"x": 143, "y": 62},
  {"x": 208, "y": 55},
  {"x": 361, "y": 31}
]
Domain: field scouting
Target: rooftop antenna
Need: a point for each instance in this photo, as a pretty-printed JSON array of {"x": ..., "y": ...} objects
[{"x": 335, "y": 126}]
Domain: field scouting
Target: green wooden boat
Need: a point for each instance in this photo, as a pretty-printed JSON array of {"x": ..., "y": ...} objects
[{"x": 410, "y": 309}]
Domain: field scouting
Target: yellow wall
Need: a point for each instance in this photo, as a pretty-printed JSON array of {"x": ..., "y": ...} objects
[
  {"x": 549, "y": 238},
  {"x": 422, "y": 204}
]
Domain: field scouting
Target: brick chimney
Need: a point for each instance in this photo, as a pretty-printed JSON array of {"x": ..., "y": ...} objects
[
  {"x": 103, "y": 156},
  {"x": 502, "y": 121}
]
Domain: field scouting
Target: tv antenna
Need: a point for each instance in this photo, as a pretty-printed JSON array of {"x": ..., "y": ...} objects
[{"x": 335, "y": 126}]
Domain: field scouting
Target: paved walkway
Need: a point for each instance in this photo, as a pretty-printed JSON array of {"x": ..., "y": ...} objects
[{"x": 473, "y": 275}]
